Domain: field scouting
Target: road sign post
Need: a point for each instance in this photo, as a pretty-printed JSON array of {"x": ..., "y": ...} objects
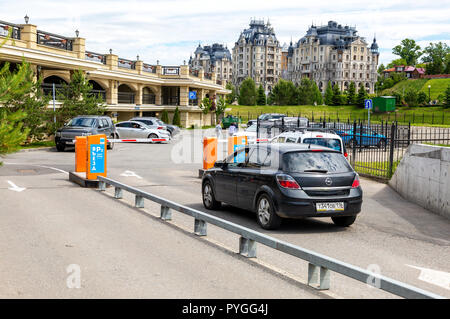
[
  {"x": 368, "y": 104},
  {"x": 96, "y": 148}
]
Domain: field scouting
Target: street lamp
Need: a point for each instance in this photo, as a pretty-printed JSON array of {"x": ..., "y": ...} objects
[
  {"x": 77, "y": 33},
  {"x": 429, "y": 93},
  {"x": 26, "y": 19}
]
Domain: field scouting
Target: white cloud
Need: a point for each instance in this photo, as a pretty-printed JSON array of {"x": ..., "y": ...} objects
[{"x": 170, "y": 30}]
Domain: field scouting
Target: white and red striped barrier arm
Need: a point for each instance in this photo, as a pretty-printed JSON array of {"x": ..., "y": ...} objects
[{"x": 136, "y": 140}]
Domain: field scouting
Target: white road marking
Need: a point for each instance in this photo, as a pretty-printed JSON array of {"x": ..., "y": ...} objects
[
  {"x": 15, "y": 188},
  {"x": 130, "y": 174},
  {"x": 435, "y": 277}
]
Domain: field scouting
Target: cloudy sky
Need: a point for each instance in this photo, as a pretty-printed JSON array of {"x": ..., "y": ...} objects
[{"x": 170, "y": 30}]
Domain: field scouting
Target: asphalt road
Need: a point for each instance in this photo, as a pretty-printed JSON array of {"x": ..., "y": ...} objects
[{"x": 400, "y": 239}]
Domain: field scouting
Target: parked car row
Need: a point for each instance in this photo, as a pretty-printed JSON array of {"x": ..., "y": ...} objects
[{"x": 138, "y": 127}]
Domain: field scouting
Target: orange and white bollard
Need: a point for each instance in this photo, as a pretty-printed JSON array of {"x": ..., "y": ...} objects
[{"x": 209, "y": 152}]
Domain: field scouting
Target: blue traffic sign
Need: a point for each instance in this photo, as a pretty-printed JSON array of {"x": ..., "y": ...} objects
[
  {"x": 192, "y": 95},
  {"x": 97, "y": 157},
  {"x": 368, "y": 103}
]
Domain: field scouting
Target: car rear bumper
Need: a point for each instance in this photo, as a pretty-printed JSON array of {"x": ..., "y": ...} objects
[{"x": 299, "y": 208}]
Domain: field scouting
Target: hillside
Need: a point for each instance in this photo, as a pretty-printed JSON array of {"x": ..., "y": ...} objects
[{"x": 438, "y": 86}]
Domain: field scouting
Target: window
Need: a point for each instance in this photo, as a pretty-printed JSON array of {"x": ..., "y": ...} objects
[
  {"x": 332, "y": 143},
  {"x": 124, "y": 124},
  {"x": 313, "y": 161},
  {"x": 257, "y": 157},
  {"x": 237, "y": 157}
]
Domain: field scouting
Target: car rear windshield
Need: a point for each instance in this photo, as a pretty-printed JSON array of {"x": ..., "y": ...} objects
[
  {"x": 331, "y": 162},
  {"x": 332, "y": 143},
  {"x": 82, "y": 121}
]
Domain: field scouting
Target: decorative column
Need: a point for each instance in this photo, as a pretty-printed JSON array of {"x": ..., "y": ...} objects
[
  {"x": 184, "y": 96},
  {"x": 111, "y": 61},
  {"x": 79, "y": 47},
  {"x": 139, "y": 66},
  {"x": 29, "y": 35},
  {"x": 111, "y": 92},
  {"x": 138, "y": 95},
  {"x": 158, "y": 97}
]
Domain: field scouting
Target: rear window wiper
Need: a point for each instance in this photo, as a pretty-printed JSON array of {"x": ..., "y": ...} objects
[{"x": 316, "y": 170}]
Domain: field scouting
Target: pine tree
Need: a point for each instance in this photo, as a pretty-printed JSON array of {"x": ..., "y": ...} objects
[
  {"x": 247, "y": 92},
  {"x": 337, "y": 96},
  {"x": 351, "y": 94},
  {"x": 362, "y": 95},
  {"x": 165, "y": 116},
  {"x": 305, "y": 92},
  {"x": 176, "y": 117},
  {"x": 77, "y": 100},
  {"x": 317, "y": 94},
  {"x": 329, "y": 94},
  {"x": 447, "y": 97},
  {"x": 261, "y": 98},
  {"x": 284, "y": 93},
  {"x": 230, "y": 98}
]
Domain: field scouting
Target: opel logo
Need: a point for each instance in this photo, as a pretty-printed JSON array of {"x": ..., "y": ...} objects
[{"x": 328, "y": 181}]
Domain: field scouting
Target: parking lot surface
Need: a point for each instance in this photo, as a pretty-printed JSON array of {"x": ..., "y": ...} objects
[{"x": 391, "y": 235}]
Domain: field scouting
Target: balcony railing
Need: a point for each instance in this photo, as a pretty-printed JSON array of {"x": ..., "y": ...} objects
[
  {"x": 171, "y": 70},
  {"x": 125, "y": 98},
  {"x": 5, "y": 29},
  {"x": 55, "y": 41},
  {"x": 148, "y": 99},
  {"x": 193, "y": 73},
  {"x": 149, "y": 68},
  {"x": 208, "y": 76},
  {"x": 98, "y": 93},
  {"x": 219, "y": 82},
  {"x": 47, "y": 88},
  {"x": 91, "y": 56},
  {"x": 126, "y": 64},
  {"x": 173, "y": 100}
]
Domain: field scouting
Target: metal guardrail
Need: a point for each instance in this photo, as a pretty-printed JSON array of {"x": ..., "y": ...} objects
[{"x": 319, "y": 266}]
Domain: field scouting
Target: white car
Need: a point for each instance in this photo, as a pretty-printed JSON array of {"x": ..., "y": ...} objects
[
  {"x": 315, "y": 137},
  {"x": 250, "y": 132},
  {"x": 135, "y": 129}
]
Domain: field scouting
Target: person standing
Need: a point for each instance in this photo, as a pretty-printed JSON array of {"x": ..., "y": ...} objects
[{"x": 219, "y": 129}]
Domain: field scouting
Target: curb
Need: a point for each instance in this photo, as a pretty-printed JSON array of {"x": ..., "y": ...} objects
[{"x": 36, "y": 149}]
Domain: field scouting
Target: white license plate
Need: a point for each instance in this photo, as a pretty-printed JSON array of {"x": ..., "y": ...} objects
[{"x": 324, "y": 207}]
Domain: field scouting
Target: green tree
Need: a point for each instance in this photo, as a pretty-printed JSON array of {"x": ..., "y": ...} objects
[
  {"x": 329, "y": 94},
  {"x": 261, "y": 98},
  {"x": 395, "y": 62},
  {"x": 176, "y": 117},
  {"x": 337, "y": 96},
  {"x": 422, "y": 98},
  {"x": 381, "y": 68},
  {"x": 351, "y": 94},
  {"x": 435, "y": 55},
  {"x": 447, "y": 97},
  {"x": 411, "y": 97},
  {"x": 220, "y": 109},
  {"x": 76, "y": 100},
  {"x": 362, "y": 95},
  {"x": 317, "y": 94},
  {"x": 230, "y": 98},
  {"x": 165, "y": 116},
  {"x": 247, "y": 92},
  {"x": 409, "y": 50},
  {"x": 205, "y": 105},
  {"x": 305, "y": 92},
  {"x": 284, "y": 93}
]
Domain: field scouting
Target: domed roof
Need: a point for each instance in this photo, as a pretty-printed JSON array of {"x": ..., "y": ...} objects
[{"x": 374, "y": 45}]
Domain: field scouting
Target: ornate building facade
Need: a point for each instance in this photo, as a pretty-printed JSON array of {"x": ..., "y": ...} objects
[
  {"x": 334, "y": 53},
  {"x": 257, "y": 54},
  {"x": 213, "y": 58}
]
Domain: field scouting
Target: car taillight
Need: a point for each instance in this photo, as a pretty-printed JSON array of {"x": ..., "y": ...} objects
[
  {"x": 287, "y": 181},
  {"x": 160, "y": 128},
  {"x": 356, "y": 182},
  {"x": 345, "y": 154}
]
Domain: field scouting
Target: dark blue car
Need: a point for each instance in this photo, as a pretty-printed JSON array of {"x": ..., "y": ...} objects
[{"x": 367, "y": 137}]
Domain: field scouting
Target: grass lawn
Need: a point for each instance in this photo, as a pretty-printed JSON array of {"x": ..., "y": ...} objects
[
  {"x": 38, "y": 144},
  {"x": 415, "y": 84},
  {"x": 438, "y": 86},
  {"x": 377, "y": 169},
  {"x": 416, "y": 115}
]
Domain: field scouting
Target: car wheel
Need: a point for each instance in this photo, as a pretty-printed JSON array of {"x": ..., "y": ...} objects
[
  {"x": 343, "y": 221},
  {"x": 381, "y": 143},
  {"x": 60, "y": 147},
  {"x": 209, "y": 201},
  {"x": 265, "y": 213},
  {"x": 352, "y": 143},
  {"x": 110, "y": 145}
]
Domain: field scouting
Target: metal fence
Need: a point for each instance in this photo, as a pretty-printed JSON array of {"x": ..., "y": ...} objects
[
  {"x": 373, "y": 149},
  {"x": 319, "y": 266}
]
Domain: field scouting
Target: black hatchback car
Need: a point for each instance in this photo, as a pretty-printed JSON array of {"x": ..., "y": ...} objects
[{"x": 285, "y": 181}]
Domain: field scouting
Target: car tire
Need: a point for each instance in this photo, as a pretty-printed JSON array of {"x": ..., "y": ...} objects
[
  {"x": 352, "y": 143},
  {"x": 343, "y": 221},
  {"x": 381, "y": 144},
  {"x": 110, "y": 146},
  {"x": 209, "y": 201},
  {"x": 265, "y": 213},
  {"x": 60, "y": 147}
]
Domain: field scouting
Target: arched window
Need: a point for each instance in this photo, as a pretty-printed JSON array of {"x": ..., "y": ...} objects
[
  {"x": 125, "y": 94},
  {"x": 148, "y": 97},
  {"x": 47, "y": 84}
]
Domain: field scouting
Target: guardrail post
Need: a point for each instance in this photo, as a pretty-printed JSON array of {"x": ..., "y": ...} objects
[
  {"x": 318, "y": 277},
  {"x": 200, "y": 227},
  {"x": 166, "y": 213},
  {"x": 139, "y": 201},
  {"x": 247, "y": 247},
  {"x": 101, "y": 186},
  {"x": 118, "y": 193}
]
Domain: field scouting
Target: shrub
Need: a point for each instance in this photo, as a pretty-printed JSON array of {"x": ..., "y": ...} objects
[
  {"x": 165, "y": 116},
  {"x": 176, "y": 117}
]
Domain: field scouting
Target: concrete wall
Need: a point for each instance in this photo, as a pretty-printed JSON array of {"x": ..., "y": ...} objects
[{"x": 423, "y": 177}]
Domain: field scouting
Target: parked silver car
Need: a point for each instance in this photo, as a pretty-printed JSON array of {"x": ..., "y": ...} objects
[
  {"x": 156, "y": 122},
  {"x": 135, "y": 129}
]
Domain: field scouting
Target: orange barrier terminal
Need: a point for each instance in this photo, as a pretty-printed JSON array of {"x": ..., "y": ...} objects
[
  {"x": 209, "y": 152},
  {"x": 96, "y": 156},
  {"x": 235, "y": 142},
  {"x": 80, "y": 154}
]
